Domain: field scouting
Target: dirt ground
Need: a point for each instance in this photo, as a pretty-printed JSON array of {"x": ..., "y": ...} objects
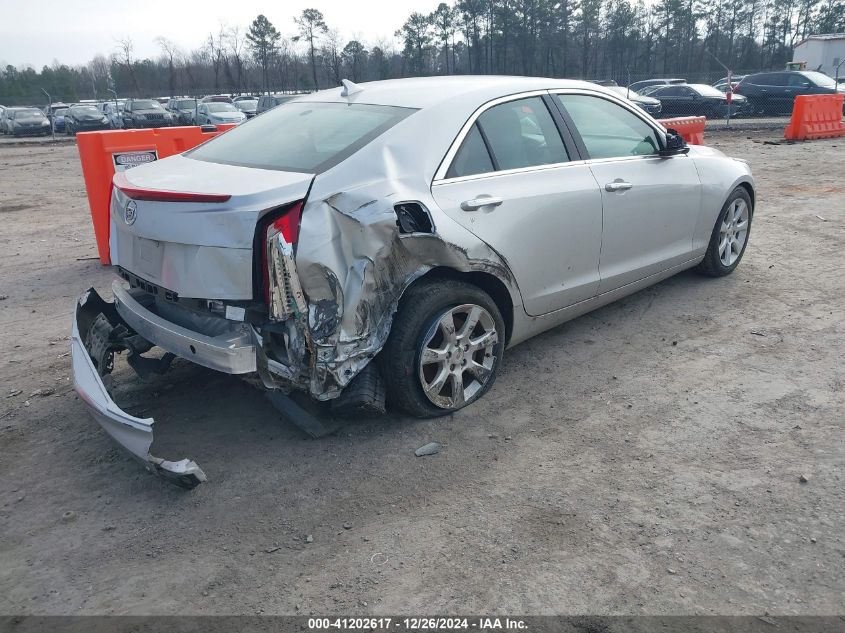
[{"x": 646, "y": 458}]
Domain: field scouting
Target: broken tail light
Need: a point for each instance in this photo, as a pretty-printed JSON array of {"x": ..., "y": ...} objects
[{"x": 286, "y": 224}]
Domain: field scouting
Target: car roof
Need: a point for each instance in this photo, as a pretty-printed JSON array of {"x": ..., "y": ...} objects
[{"x": 423, "y": 92}]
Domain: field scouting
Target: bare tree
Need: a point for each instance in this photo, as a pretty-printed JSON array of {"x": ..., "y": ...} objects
[
  {"x": 236, "y": 43},
  {"x": 171, "y": 55},
  {"x": 126, "y": 52},
  {"x": 332, "y": 55}
]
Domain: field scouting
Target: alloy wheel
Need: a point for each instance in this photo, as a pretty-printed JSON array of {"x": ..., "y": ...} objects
[
  {"x": 733, "y": 232},
  {"x": 458, "y": 355}
]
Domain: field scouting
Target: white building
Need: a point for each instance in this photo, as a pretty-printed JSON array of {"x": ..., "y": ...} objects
[{"x": 822, "y": 52}]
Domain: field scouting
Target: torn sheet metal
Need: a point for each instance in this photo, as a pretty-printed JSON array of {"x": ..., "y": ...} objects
[
  {"x": 354, "y": 264},
  {"x": 133, "y": 434}
]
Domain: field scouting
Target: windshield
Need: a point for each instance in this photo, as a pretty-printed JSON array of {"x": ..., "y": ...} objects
[
  {"x": 247, "y": 105},
  {"x": 86, "y": 110},
  {"x": 146, "y": 104},
  {"x": 706, "y": 91},
  {"x": 60, "y": 112},
  {"x": 185, "y": 104},
  {"x": 221, "y": 107},
  {"x": 625, "y": 92},
  {"x": 820, "y": 79},
  {"x": 301, "y": 137},
  {"x": 30, "y": 112}
]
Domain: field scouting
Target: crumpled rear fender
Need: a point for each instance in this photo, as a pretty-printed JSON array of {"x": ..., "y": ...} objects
[{"x": 354, "y": 264}]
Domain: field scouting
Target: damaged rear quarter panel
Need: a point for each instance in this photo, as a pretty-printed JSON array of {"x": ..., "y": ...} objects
[{"x": 354, "y": 264}]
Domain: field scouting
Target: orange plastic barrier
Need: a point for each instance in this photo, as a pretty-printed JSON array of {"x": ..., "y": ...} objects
[
  {"x": 103, "y": 153},
  {"x": 690, "y": 127},
  {"x": 815, "y": 116}
]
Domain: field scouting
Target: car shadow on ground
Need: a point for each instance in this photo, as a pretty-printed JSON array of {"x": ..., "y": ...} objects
[{"x": 218, "y": 419}]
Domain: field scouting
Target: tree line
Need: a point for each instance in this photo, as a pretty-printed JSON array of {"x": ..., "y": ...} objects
[{"x": 591, "y": 39}]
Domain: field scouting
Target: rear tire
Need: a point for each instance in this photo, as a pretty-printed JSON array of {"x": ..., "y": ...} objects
[
  {"x": 729, "y": 237},
  {"x": 464, "y": 362}
]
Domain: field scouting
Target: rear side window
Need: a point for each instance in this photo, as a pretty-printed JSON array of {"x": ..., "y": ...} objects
[
  {"x": 301, "y": 137},
  {"x": 472, "y": 157},
  {"x": 607, "y": 129},
  {"x": 519, "y": 133},
  {"x": 522, "y": 133}
]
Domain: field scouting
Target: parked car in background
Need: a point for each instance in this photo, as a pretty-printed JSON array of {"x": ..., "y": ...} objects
[
  {"x": 59, "y": 120},
  {"x": 248, "y": 106},
  {"x": 217, "y": 99},
  {"x": 143, "y": 113},
  {"x": 775, "y": 92},
  {"x": 244, "y": 98},
  {"x": 218, "y": 112},
  {"x": 722, "y": 84},
  {"x": 696, "y": 100},
  {"x": 645, "y": 83},
  {"x": 268, "y": 102},
  {"x": 649, "y": 104},
  {"x": 50, "y": 109},
  {"x": 2, "y": 119},
  {"x": 85, "y": 117},
  {"x": 182, "y": 110},
  {"x": 398, "y": 241},
  {"x": 26, "y": 122}
]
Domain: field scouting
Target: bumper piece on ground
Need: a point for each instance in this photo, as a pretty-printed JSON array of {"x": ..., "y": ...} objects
[{"x": 134, "y": 434}]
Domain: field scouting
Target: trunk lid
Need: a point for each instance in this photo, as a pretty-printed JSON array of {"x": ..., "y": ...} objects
[{"x": 200, "y": 249}]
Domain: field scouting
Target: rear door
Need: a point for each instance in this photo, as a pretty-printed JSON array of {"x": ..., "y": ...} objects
[
  {"x": 650, "y": 203},
  {"x": 513, "y": 181}
]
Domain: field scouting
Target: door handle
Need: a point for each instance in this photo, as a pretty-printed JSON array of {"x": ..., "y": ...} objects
[
  {"x": 482, "y": 201},
  {"x": 618, "y": 186}
]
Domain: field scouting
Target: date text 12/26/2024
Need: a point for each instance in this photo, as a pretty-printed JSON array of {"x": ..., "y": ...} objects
[{"x": 417, "y": 624}]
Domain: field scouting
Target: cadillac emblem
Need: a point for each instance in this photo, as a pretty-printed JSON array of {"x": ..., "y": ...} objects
[{"x": 130, "y": 212}]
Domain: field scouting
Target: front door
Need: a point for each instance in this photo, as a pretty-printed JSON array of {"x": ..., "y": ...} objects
[
  {"x": 511, "y": 183},
  {"x": 650, "y": 203}
]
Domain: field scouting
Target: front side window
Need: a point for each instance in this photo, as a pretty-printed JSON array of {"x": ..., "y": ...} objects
[
  {"x": 301, "y": 137},
  {"x": 607, "y": 129}
]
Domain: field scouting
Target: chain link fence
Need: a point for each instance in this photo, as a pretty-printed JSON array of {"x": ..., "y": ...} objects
[{"x": 752, "y": 100}]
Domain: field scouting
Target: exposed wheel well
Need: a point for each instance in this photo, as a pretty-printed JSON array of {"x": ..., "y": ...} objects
[
  {"x": 490, "y": 284},
  {"x": 750, "y": 191}
]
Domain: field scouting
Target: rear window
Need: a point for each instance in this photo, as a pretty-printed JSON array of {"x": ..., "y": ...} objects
[
  {"x": 186, "y": 103},
  {"x": 301, "y": 137},
  {"x": 820, "y": 79}
]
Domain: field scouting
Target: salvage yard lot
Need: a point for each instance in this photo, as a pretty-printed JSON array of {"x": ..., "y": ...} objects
[{"x": 645, "y": 458}]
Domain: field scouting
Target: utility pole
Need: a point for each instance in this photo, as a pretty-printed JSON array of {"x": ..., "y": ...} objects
[
  {"x": 730, "y": 89},
  {"x": 116, "y": 108},
  {"x": 50, "y": 114}
]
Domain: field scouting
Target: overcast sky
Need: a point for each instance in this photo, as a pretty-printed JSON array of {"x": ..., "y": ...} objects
[{"x": 36, "y": 32}]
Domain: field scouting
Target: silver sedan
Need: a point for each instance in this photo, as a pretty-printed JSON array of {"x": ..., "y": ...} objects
[{"x": 384, "y": 243}]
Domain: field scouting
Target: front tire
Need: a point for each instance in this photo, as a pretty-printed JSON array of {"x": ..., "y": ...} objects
[
  {"x": 444, "y": 349},
  {"x": 729, "y": 237}
]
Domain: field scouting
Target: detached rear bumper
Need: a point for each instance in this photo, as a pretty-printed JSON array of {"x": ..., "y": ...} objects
[
  {"x": 134, "y": 434},
  {"x": 232, "y": 352}
]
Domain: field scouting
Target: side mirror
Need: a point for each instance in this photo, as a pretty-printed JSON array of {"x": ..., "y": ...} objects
[{"x": 675, "y": 144}]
